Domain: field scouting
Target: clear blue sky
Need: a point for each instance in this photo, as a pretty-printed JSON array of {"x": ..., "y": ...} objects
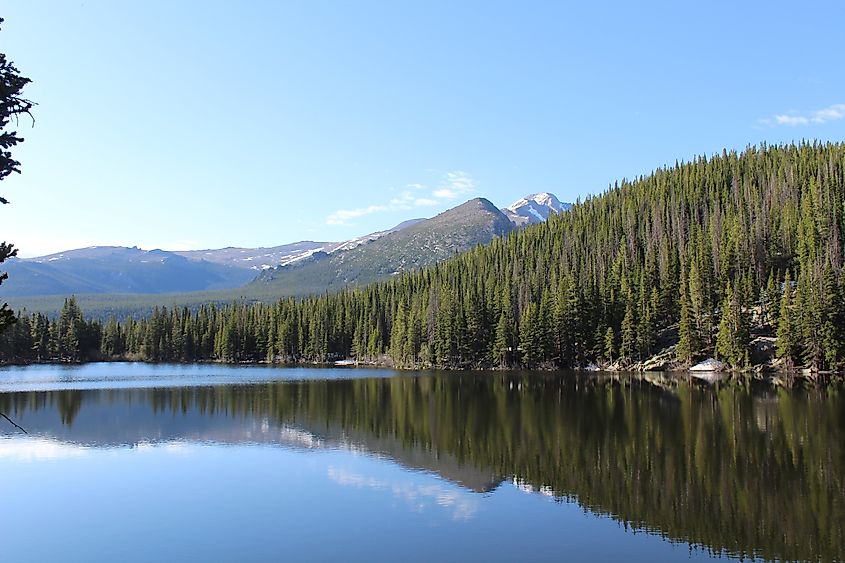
[{"x": 179, "y": 124}]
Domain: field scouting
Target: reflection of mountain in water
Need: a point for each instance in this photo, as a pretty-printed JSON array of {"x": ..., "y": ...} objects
[
  {"x": 735, "y": 469},
  {"x": 128, "y": 417}
]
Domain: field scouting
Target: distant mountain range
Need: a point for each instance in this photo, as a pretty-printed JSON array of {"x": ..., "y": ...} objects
[
  {"x": 291, "y": 269},
  {"x": 116, "y": 269},
  {"x": 270, "y": 257}
]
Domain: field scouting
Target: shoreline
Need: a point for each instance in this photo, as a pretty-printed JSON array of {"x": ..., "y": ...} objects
[{"x": 774, "y": 375}]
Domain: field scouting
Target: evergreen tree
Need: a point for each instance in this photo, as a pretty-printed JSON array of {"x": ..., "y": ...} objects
[
  {"x": 12, "y": 105},
  {"x": 505, "y": 343},
  {"x": 609, "y": 344},
  {"x": 732, "y": 340},
  {"x": 787, "y": 341},
  {"x": 831, "y": 327},
  {"x": 629, "y": 332},
  {"x": 609, "y": 279},
  {"x": 688, "y": 343},
  {"x": 531, "y": 336}
]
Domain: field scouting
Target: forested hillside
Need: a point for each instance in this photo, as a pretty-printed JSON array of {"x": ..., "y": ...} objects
[{"x": 697, "y": 258}]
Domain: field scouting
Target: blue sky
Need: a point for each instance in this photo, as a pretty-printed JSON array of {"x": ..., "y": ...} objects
[{"x": 206, "y": 124}]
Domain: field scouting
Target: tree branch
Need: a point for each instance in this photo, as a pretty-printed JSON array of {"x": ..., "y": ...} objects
[{"x": 13, "y": 423}]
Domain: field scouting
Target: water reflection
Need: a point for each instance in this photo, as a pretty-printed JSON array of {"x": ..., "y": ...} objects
[
  {"x": 745, "y": 470},
  {"x": 418, "y": 496}
]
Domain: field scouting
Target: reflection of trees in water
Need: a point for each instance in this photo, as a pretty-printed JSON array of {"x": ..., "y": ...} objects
[
  {"x": 69, "y": 403},
  {"x": 66, "y": 403},
  {"x": 727, "y": 467}
]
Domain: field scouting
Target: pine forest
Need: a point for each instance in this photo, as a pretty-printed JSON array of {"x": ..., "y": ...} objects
[{"x": 738, "y": 257}]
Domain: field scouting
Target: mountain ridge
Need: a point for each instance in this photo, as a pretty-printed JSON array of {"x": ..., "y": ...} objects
[
  {"x": 422, "y": 244},
  {"x": 116, "y": 270}
]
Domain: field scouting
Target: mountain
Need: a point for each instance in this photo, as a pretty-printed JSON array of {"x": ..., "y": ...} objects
[
  {"x": 534, "y": 208},
  {"x": 256, "y": 258},
  {"x": 113, "y": 280},
  {"x": 737, "y": 257},
  {"x": 122, "y": 270},
  {"x": 116, "y": 269},
  {"x": 421, "y": 244},
  {"x": 263, "y": 258},
  {"x": 358, "y": 241}
]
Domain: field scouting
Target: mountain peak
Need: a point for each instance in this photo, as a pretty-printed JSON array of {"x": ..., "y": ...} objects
[
  {"x": 543, "y": 199},
  {"x": 535, "y": 208},
  {"x": 421, "y": 244},
  {"x": 478, "y": 203}
]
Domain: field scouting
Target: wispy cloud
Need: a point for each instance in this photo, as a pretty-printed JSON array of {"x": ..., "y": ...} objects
[
  {"x": 341, "y": 216},
  {"x": 407, "y": 200},
  {"x": 795, "y": 119},
  {"x": 792, "y": 120},
  {"x": 419, "y": 496},
  {"x": 455, "y": 184},
  {"x": 451, "y": 186}
]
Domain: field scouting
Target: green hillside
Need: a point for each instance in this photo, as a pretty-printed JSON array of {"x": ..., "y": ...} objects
[{"x": 701, "y": 256}]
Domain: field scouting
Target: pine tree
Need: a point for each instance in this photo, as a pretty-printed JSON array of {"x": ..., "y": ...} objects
[
  {"x": 12, "y": 105},
  {"x": 830, "y": 330},
  {"x": 770, "y": 301},
  {"x": 787, "y": 342},
  {"x": 609, "y": 344},
  {"x": 697, "y": 303},
  {"x": 732, "y": 338},
  {"x": 688, "y": 343},
  {"x": 531, "y": 336},
  {"x": 629, "y": 332},
  {"x": 504, "y": 344},
  {"x": 599, "y": 282}
]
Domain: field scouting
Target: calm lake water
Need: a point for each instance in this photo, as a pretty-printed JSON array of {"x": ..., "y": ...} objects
[{"x": 131, "y": 462}]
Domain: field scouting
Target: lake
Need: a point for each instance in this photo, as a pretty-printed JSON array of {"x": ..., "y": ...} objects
[{"x": 134, "y": 462}]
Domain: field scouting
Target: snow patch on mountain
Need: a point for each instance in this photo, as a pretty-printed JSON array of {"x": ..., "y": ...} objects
[
  {"x": 535, "y": 208},
  {"x": 265, "y": 258},
  {"x": 358, "y": 241}
]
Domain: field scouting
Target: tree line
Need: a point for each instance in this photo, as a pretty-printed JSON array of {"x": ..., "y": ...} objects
[{"x": 702, "y": 256}]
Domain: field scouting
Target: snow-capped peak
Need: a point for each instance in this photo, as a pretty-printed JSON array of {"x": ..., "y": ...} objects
[
  {"x": 542, "y": 199},
  {"x": 535, "y": 208}
]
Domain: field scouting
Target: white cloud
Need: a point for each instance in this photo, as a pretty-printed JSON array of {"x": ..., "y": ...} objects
[
  {"x": 453, "y": 185},
  {"x": 794, "y": 119},
  {"x": 418, "y": 496},
  {"x": 834, "y": 112},
  {"x": 407, "y": 200},
  {"x": 791, "y": 120},
  {"x": 404, "y": 201},
  {"x": 341, "y": 216}
]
